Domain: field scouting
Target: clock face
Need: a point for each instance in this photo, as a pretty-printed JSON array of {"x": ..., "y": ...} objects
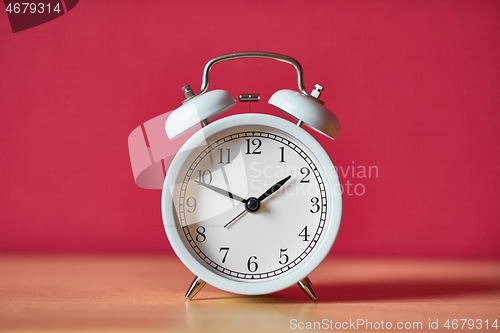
[{"x": 252, "y": 203}]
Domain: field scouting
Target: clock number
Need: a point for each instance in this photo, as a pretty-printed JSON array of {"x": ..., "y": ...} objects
[
  {"x": 255, "y": 142},
  {"x": 228, "y": 156},
  {"x": 305, "y": 171},
  {"x": 191, "y": 203},
  {"x": 283, "y": 256},
  {"x": 304, "y": 234},
  {"x": 200, "y": 238},
  {"x": 202, "y": 177},
  {"x": 315, "y": 204},
  {"x": 252, "y": 265},
  {"x": 225, "y": 254},
  {"x": 282, "y": 154}
]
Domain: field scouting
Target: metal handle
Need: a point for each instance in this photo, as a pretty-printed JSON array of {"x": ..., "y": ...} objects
[{"x": 240, "y": 55}]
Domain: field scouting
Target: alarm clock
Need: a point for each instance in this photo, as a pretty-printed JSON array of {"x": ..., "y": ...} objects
[{"x": 251, "y": 203}]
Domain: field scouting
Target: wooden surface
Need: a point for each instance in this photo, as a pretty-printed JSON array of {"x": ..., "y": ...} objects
[{"x": 141, "y": 293}]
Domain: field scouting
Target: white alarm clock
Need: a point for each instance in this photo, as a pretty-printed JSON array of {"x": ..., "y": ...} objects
[{"x": 251, "y": 203}]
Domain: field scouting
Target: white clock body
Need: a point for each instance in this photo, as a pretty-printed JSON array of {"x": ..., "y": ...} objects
[{"x": 237, "y": 249}]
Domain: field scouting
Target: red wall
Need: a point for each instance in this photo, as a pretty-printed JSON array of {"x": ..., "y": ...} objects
[{"x": 415, "y": 84}]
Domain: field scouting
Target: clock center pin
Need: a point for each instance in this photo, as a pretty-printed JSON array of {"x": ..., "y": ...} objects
[{"x": 252, "y": 205}]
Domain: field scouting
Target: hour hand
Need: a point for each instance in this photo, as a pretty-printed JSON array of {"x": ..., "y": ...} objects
[
  {"x": 273, "y": 188},
  {"x": 221, "y": 191}
]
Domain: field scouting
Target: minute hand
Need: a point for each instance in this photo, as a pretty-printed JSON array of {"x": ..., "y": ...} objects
[
  {"x": 273, "y": 188},
  {"x": 221, "y": 191}
]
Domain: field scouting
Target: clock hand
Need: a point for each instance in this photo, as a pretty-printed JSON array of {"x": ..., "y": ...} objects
[
  {"x": 253, "y": 204},
  {"x": 234, "y": 219},
  {"x": 273, "y": 188},
  {"x": 221, "y": 191}
]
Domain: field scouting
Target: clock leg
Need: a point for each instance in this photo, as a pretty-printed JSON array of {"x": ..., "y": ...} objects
[
  {"x": 307, "y": 287},
  {"x": 195, "y": 287}
]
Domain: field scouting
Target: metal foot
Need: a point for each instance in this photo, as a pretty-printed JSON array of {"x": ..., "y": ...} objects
[
  {"x": 195, "y": 287},
  {"x": 307, "y": 287}
]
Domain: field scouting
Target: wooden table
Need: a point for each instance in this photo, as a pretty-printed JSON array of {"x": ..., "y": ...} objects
[{"x": 146, "y": 294}]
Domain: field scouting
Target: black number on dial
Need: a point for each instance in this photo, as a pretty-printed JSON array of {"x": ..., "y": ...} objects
[
  {"x": 305, "y": 171},
  {"x": 200, "y": 237},
  {"x": 191, "y": 203},
  {"x": 252, "y": 265},
  {"x": 315, "y": 205},
  {"x": 228, "y": 160},
  {"x": 304, "y": 234},
  {"x": 255, "y": 142},
  {"x": 204, "y": 176},
  {"x": 282, "y": 154},
  {"x": 283, "y": 256},
  {"x": 225, "y": 254}
]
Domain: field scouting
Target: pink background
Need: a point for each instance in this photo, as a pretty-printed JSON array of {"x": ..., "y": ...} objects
[{"x": 415, "y": 84}]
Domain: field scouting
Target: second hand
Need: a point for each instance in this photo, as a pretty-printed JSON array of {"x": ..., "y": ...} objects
[{"x": 234, "y": 219}]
